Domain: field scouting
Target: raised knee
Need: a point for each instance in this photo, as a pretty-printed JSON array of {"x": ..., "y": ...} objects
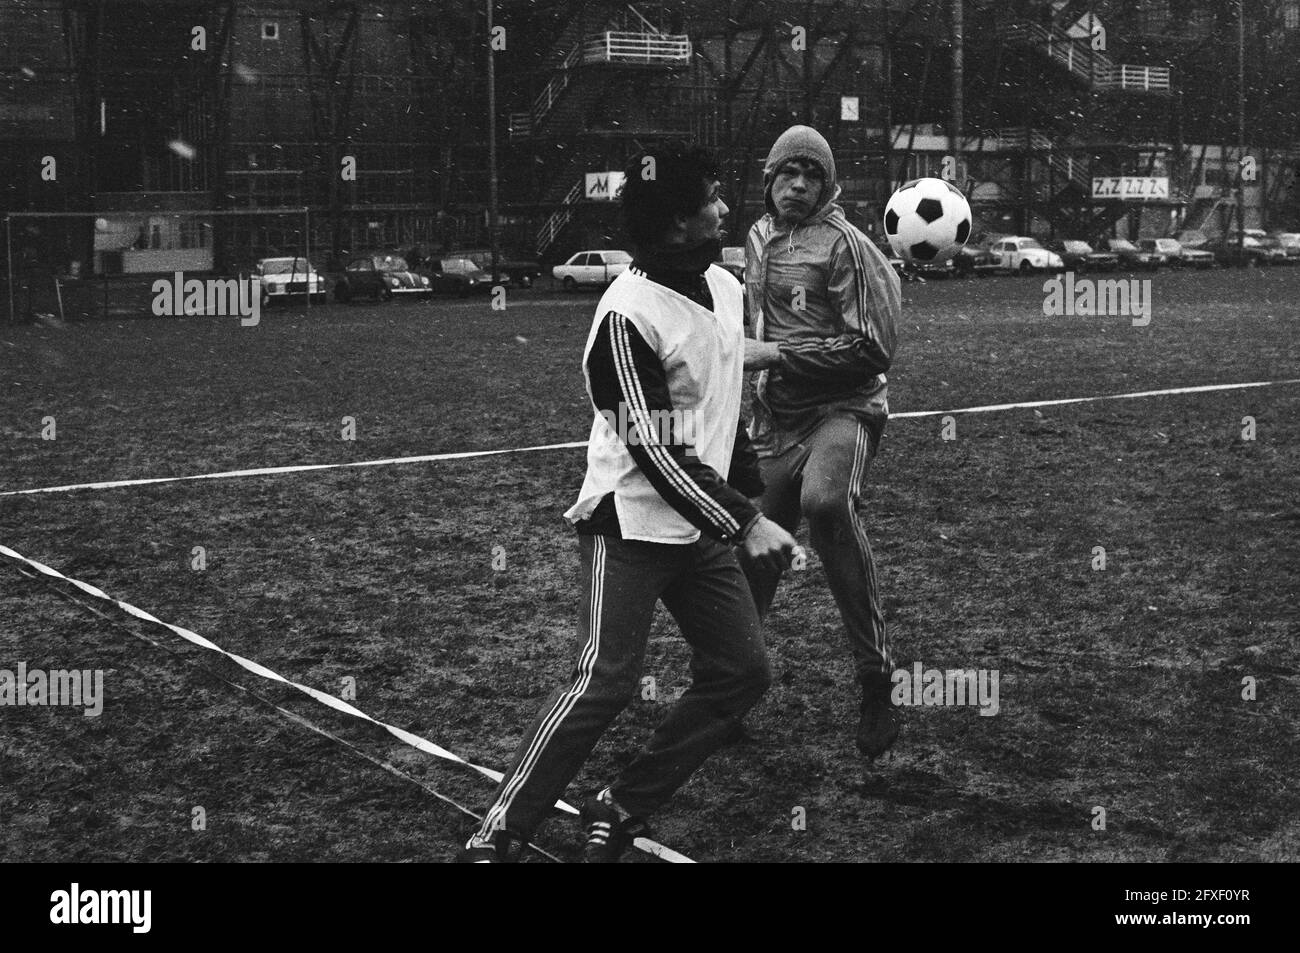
[{"x": 825, "y": 510}]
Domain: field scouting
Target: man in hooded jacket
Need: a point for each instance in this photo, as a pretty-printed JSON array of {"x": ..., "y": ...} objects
[{"x": 824, "y": 305}]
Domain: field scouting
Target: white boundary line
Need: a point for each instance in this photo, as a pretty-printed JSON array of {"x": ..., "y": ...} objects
[
  {"x": 434, "y": 457},
  {"x": 296, "y": 718},
  {"x": 305, "y": 468},
  {"x": 415, "y": 741},
  {"x": 988, "y": 408}
]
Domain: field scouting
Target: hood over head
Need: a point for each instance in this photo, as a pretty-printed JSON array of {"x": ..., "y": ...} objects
[{"x": 801, "y": 142}]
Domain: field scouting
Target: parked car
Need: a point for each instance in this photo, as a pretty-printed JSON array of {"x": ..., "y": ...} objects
[
  {"x": 1166, "y": 250},
  {"x": 457, "y": 276},
  {"x": 1080, "y": 256},
  {"x": 1249, "y": 254},
  {"x": 1175, "y": 254},
  {"x": 915, "y": 270},
  {"x": 1130, "y": 256},
  {"x": 1290, "y": 242},
  {"x": 975, "y": 259},
  {"x": 1278, "y": 254},
  {"x": 946, "y": 268},
  {"x": 591, "y": 268},
  {"x": 512, "y": 270},
  {"x": 1197, "y": 258},
  {"x": 733, "y": 259},
  {"x": 381, "y": 276},
  {"x": 284, "y": 278},
  {"x": 1019, "y": 254}
]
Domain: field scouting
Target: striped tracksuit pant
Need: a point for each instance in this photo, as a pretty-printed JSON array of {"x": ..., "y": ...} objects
[
  {"x": 704, "y": 589},
  {"x": 824, "y": 478}
]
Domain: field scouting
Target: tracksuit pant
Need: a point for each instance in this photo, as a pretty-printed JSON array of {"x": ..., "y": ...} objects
[
  {"x": 704, "y": 589},
  {"x": 824, "y": 479}
]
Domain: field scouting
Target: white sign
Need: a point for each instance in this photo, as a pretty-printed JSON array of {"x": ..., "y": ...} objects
[
  {"x": 1130, "y": 187},
  {"x": 603, "y": 185},
  {"x": 849, "y": 108}
]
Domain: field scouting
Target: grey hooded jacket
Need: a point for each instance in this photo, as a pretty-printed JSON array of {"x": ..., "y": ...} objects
[{"x": 826, "y": 294}]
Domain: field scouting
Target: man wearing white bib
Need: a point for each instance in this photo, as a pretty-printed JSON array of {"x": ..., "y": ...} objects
[{"x": 664, "y": 501}]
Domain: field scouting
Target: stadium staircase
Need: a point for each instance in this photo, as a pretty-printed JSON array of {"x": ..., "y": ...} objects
[
  {"x": 1074, "y": 56},
  {"x": 595, "y": 61},
  {"x": 1061, "y": 167}
]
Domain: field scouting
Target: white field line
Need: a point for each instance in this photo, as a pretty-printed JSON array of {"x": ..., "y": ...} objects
[
  {"x": 435, "y": 457},
  {"x": 414, "y": 740}
]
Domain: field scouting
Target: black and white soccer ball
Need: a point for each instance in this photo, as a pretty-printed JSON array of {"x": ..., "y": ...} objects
[{"x": 927, "y": 220}]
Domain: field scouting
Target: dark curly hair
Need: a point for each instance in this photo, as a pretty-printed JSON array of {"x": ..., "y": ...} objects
[{"x": 677, "y": 183}]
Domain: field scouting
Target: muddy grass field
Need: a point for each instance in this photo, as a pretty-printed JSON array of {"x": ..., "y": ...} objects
[{"x": 1119, "y": 689}]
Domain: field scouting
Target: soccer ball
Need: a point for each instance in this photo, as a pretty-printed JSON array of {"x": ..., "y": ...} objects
[{"x": 927, "y": 220}]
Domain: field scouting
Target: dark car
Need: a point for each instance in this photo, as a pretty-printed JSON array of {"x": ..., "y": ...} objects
[
  {"x": 944, "y": 268},
  {"x": 1250, "y": 253},
  {"x": 1195, "y": 251},
  {"x": 1130, "y": 256},
  {"x": 1080, "y": 256},
  {"x": 458, "y": 276},
  {"x": 512, "y": 270},
  {"x": 381, "y": 276},
  {"x": 976, "y": 259}
]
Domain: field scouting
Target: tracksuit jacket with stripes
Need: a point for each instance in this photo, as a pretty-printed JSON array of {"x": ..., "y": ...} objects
[
  {"x": 667, "y": 458},
  {"x": 827, "y": 295}
]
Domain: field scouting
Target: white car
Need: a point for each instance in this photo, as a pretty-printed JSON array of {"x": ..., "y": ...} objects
[
  {"x": 285, "y": 278},
  {"x": 591, "y": 268},
  {"x": 1290, "y": 242},
  {"x": 1018, "y": 254}
]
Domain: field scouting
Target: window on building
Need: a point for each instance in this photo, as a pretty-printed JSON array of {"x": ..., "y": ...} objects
[{"x": 270, "y": 30}]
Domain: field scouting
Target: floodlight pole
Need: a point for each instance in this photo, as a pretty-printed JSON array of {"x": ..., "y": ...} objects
[
  {"x": 1241, "y": 128},
  {"x": 492, "y": 147},
  {"x": 958, "y": 119}
]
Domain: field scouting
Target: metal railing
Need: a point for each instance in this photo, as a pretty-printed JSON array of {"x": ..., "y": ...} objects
[
  {"x": 1060, "y": 46},
  {"x": 1071, "y": 169},
  {"x": 1075, "y": 55},
  {"x": 610, "y": 47},
  {"x": 559, "y": 218},
  {"x": 559, "y": 82},
  {"x": 1066, "y": 166},
  {"x": 645, "y": 48},
  {"x": 1020, "y": 137},
  {"x": 1145, "y": 78}
]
